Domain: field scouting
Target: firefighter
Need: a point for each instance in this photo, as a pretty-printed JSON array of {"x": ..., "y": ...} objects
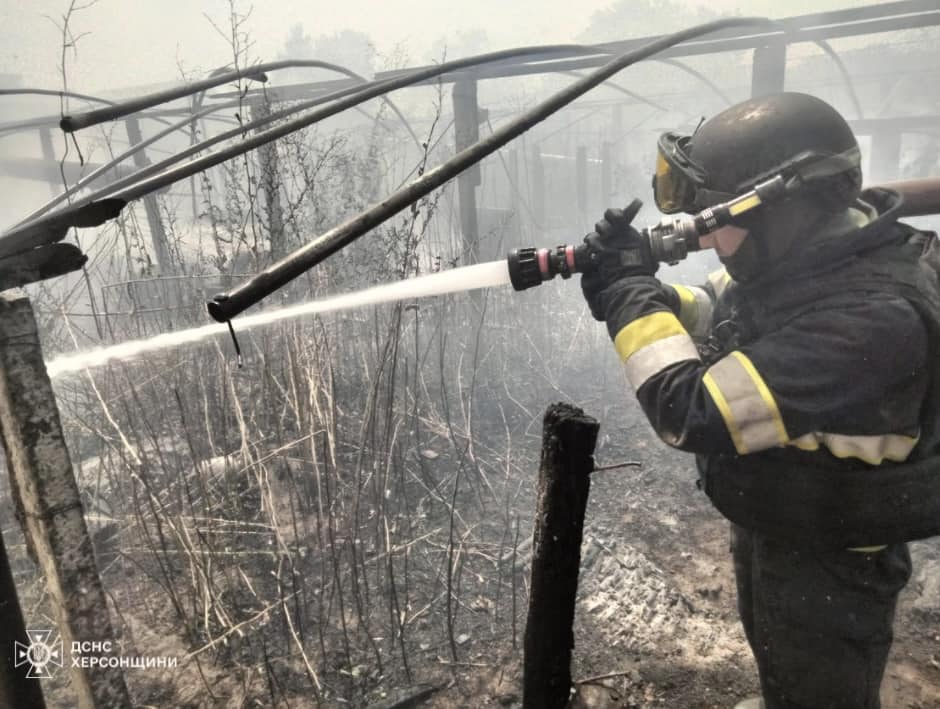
[{"x": 801, "y": 377}]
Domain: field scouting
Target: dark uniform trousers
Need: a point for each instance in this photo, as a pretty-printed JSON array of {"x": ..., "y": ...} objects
[{"x": 819, "y": 622}]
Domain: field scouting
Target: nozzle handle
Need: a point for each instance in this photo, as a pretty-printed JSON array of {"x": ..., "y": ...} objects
[{"x": 530, "y": 267}]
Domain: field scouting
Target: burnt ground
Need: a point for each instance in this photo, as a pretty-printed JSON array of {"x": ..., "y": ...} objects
[
  {"x": 655, "y": 625},
  {"x": 656, "y": 621}
]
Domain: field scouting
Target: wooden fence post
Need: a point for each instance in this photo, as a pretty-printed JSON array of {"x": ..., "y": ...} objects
[
  {"x": 42, "y": 478},
  {"x": 568, "y": 439}
]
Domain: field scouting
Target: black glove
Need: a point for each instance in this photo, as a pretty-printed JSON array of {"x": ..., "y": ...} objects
[{"x": 618, "y": 252}]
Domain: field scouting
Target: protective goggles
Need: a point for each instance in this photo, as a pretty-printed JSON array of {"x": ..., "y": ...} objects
[
  {"x": 679, "y": 184},
  {"x": 678, "y": 180}
]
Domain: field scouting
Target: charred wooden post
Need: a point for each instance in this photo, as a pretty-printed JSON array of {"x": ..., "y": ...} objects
[
  {"x": 42, "y": 479},
  {"x": 568, "y": 438}
]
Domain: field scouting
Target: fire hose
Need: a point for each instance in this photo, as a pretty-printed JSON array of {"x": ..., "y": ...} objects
[
  {"x": 672, "y": 239},
  {"x": 225, "y": 306}
]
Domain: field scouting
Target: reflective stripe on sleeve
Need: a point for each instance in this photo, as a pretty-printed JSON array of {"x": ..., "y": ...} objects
[
  {"x": 695, "y": 309},
  {"x": 651, "y": 343},
  {"x": 871, "y": 449},
  {"x": 719, "y": 280},
  {"x": 745, "y": 403}
]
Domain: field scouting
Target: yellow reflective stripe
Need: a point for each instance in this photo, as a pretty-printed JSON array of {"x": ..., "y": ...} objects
[
  {"x": 744, "y": 205},
  {"x": 645, "y": 331},
  {"x": 688, "y": 306},
  {"x": 656, "y": 356},
  {"x": 871, "y": 449},
  {"x": 868, "y": 550},
  {"x": 725, "y": 410},
  {"x": 765, "y": 394},
  {"x": 745, "y": 403},
  {"x": 695, "y": 309}
]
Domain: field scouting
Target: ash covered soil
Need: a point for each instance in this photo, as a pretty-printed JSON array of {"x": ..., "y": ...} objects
[
  {"x": 656, "y": 622},
  {"x": 655, "y": 626}
]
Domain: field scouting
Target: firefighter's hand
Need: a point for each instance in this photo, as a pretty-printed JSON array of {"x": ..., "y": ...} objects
[
  {"x": 617, "y": 248},
  {"x": 618, "y": 252}
]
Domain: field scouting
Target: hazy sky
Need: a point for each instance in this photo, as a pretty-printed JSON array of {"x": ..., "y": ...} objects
[{"x": 139, "y": 42}]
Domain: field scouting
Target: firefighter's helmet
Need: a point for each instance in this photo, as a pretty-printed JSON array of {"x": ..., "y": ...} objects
[{"x": 793, "y": 134}]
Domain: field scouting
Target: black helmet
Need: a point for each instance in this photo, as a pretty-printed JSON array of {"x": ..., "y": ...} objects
[{"x": 787, "y": 133}]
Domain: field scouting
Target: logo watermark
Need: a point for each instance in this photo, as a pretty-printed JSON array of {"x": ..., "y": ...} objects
[{"x": 44, "y": 654}]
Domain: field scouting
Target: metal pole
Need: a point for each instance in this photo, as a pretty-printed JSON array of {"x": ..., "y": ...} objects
[
  {"x": 581, "y": 179},
  {"x": 225, "y": 306},
  {"x": 885, "y": 153},
  {"x": 157, "y": 232},
  {"x": 538, "y": 186},
  {"x": 267, "y": 155},
  {"x": 466, "y": 133},
  {"x": 606, "y": 172},
  {"x": 769, "y": 69},
  {"x": 48, "y": 155},
  {"x": 514, "y": 203}
]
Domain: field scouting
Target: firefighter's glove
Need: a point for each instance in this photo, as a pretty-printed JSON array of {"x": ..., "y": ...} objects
[{"x": 618, "y": 254}]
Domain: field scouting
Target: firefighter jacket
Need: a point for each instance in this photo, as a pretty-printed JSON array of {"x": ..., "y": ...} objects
[{"x": 809, "y": 395}]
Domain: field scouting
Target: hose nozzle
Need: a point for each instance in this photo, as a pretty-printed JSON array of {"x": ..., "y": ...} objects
[
  {"x": 530, "y": 267},
  {"x": 669, "y": 241}
]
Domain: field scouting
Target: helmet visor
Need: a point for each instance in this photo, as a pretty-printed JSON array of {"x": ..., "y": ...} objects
[{"x": 677, "y": 178}]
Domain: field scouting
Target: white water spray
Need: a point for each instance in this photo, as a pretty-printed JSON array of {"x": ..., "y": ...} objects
[{"x": 483, "y": 275}]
